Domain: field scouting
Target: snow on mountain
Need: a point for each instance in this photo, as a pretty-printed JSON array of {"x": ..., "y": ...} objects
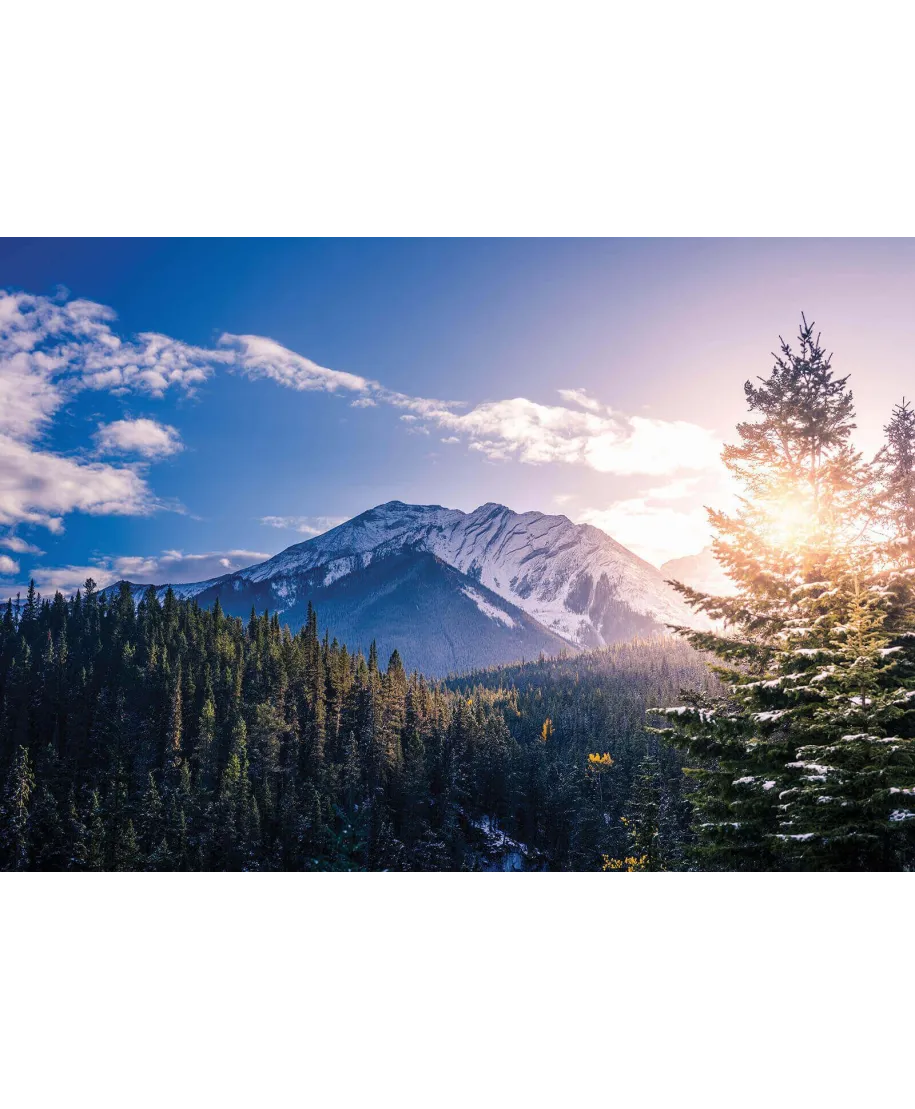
[{"x": 572, "y": 578}]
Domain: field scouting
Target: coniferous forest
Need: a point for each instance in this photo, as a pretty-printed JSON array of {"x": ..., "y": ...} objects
[
  {"x": 166, "y": 736},
  {"x": 169, "y": 737}
]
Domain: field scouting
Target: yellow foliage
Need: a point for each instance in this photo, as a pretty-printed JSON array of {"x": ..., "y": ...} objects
[
  {"x": 546, "y": 732},
  {"x": 630, "y": 864},
  {"x": 600, "y": 762}
]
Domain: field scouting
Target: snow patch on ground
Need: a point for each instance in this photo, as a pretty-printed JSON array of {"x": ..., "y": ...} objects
[{"x": 511, "y": 854}]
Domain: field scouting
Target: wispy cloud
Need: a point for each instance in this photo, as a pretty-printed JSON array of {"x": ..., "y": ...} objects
[
  {"x": 255, "y": 356},
  {"x": 19, "y": 545},
  {"x": 8, "y": 565},
  {"x": 588, "y": 434},
  {"x": 178, "y": 566},
  {"x": 304, "y": 525},
  {"x": 144, "y": 437},
  {"x": 168, "y": 566},
  {"x": 580, "y": 397}
]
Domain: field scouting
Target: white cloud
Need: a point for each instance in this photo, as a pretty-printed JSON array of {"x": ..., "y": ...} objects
[
  {"x": 68, "y": 579},
  {"x": 678, "y": 488},
  {"x": 668, "y": 520},
  {"x": 304, "y": 525},
  {"x": 8, "y": 565},
  {"x": 613, "y": 443},
  {"x": 39, "y": 487},
  {"x": 177, "y": 567},
  {"x": 52, "y": 348},
  {"x": 174, "y": 567},
  {"x": 20, "y": 546},
  {"x": 589, "y": 434},
  {"x": 63, "y": 345},
  {"x": 637, "y": 445},
  {"x": 579, "y": 396},
  {"x": 144, "y": 437},
  {"x": 257, "y": 357},
  {"x": 29, "y": 396}
]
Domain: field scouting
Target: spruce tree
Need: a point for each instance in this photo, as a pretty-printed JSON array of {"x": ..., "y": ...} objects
[
  {"x": 643, "y": 819},
  {"x": 895, "y": 509},
  {"x": 808, "y": 662},
  {"x": 14, "y": 813}
]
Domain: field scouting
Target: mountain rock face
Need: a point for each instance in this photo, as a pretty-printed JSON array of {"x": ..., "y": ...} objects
[{"x": 454, "y": 590}]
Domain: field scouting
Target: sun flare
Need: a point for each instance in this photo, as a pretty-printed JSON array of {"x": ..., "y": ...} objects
[{"x": 790, "y": 520}]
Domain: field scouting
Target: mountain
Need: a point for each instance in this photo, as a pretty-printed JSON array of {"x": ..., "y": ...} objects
[
  {"x": 501, "y": 584},
  {"x": 702, "y": 571},
  {"x": 441, "y": 621}
]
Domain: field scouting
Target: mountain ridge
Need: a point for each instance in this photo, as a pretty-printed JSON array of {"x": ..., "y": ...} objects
[{"x": 575, "y": 585}]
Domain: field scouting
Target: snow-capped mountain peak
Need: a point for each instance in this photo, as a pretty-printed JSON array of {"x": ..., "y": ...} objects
[
  {"x": 573, "y": 578},
  {"x": 458, "y": 588}
]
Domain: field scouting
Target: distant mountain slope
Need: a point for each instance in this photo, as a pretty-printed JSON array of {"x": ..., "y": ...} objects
[
  {"x": 701, "y": 571},
  {"x": 517, "y": 579},
  {"x": 439, "y": 619}
]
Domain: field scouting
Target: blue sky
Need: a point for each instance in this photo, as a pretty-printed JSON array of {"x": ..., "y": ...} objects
[{"x": 300, "y": 382}]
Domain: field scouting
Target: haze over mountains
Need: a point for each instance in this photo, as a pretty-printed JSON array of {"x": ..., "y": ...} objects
[
  {"x": 702, "y": 571},
  {"x": 454, "y": 590}
]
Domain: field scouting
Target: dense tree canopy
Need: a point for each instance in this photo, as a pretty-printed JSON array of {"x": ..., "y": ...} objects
[{"x": 165, "y": 736}]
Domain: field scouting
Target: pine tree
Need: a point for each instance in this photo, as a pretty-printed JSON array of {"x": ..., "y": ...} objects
[
  {"x": 127, "y": 853},
  {"x": 77, "y": 837},
  {"x": 895, "y": 509},
  {"x": 47, "y": 832},
  {"x": 853, "y": 798},
  {"x": 173, "y": 733},
  {"x": 14, "y": 813},
  {"x": 643, "y": 820},
  {"x": 206, "y": 753},
  {"x": 152, "y": 816},
  {"x": 95, "y": 843},
  {"x": 801, "y": 636}
]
